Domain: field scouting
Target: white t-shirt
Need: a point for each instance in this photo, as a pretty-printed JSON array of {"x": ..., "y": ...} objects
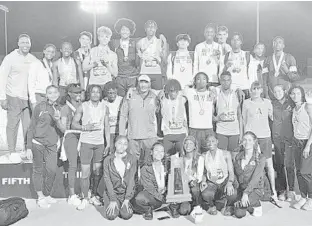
[
  {"x": 174, "y": 116},
  {"x": 238, "y": 70},
  {"x": 183, "y": 68},
  {"x": 113, "y": 108},
  {"x": 228, "y": 104},
  {"x": 200, "y": 108},
  {"x": 207, "y": 59},
  {"x": 256, "y": 116}
]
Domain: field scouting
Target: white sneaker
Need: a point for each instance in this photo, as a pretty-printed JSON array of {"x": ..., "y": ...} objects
[
  {"x": 43, "y": 203},
  {"x": 197, "y": 214},
  {"x": 95, "y": 201},
  {"x": 282, "y": 196},
  {"x": 257, "y": 211},
  {"x": 50, "y": 200},
  {"x": 291, "y": 195},
  {"x": 84, "y": 203},
  {"x": 308, "y": 205},
  {"x": 74, "y": 200},
  {"x": 300, "y": 203}
]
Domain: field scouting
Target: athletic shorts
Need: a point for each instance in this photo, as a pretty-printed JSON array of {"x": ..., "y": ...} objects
[
  {"x": 157, "y": 82},
  {"x": 266, "y": 146},
  {"x": 228, "y": 142},
  {"x": 91, "y": 151}
]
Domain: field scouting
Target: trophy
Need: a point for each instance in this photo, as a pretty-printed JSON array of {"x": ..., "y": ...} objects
[{"x": 178, "y": 188}]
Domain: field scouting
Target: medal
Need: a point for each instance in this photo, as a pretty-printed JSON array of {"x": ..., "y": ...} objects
[
  {"x": 208, "y": 61},
  {"x": 277, "y": 66},
  {"x": 202, "y": 111},
  {"x": 182, "y": 69}
]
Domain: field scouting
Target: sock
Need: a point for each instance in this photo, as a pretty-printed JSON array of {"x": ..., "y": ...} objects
[{"x": 85, "y": 184}]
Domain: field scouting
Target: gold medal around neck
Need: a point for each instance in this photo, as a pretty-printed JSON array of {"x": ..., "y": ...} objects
[{"x": 202, "y": 111}]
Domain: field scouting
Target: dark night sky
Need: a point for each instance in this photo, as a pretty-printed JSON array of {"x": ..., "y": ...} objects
[{"x": 54, "y": 22}]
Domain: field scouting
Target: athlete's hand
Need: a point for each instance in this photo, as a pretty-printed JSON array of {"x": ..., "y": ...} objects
[
  {"x": 126, "y": 204},
  {"x": 4, "y": 104},
  {"x": 306, "y": 152},
  {"x": 29, "y": 154},
  {"x": 245, "y": 200},
  {"x": 111, "y": 208},
  {"x": 90, "y": 127},
  {"x": 229, "y": 189},
  {"x": 106, "y": 151}
]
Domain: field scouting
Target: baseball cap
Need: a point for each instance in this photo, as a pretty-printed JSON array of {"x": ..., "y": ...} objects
[
  {"x": 144, "y": 78},
  {"x": 74, "y": 89}
]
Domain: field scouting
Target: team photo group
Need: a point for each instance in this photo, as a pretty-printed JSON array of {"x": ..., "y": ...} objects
[{"x": 155, "y": 125}]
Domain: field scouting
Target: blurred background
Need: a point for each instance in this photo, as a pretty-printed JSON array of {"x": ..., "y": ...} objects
[{"x": 55, "y": 22}]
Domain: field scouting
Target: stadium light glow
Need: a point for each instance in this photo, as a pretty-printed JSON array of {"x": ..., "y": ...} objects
[{"x": 94, "y": 7}]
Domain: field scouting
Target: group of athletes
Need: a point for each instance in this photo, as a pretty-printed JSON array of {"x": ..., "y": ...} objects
[{"x": 123, "y": 108}]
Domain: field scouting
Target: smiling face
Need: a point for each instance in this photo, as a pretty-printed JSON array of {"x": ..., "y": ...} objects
[
  {"x": 279, "y": 92},
  {"x": 296, "y": 95},
  {"x": 52, "y": 94},
  {"x": 24, "y": 44},
  {"x": 121, "y": 145},
  {"x": 66, "y": 49},
  {"x": 248, "y": 142},
  {"x": 259, "y": 50},
  {"x": 158, "y": 152},
  {"x": 85, "y": 41},
  {"x": 49, "y": 53},
  {"x": 212, "y": 143},
  {"x": 95, "y": 94},
  {"x": 144, "y": 86},
  {"x": 189, "y": 146},
  {"x": 125, "y": 32}
]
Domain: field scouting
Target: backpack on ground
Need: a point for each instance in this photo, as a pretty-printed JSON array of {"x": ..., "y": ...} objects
[{"x": 12, "y": 210}]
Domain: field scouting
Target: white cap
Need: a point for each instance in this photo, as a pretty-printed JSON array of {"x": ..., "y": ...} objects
[{"x": 144, "y": 78}]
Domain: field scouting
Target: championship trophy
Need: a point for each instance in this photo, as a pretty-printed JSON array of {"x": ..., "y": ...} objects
[{"x": 178, "y": 188}]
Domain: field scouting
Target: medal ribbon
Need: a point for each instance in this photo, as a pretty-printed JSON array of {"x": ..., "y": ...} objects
[{"x": 277, "y": 66}]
